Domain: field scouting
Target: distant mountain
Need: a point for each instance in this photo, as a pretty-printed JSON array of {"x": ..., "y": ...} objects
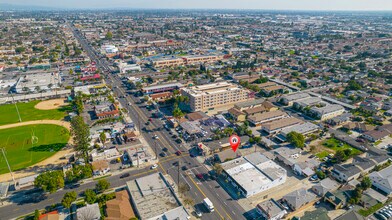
[{"x": 12, "y": 7}]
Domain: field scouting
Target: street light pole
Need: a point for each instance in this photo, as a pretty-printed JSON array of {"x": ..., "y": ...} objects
[
  {"x": 9, "y": 168},
  {"x": 17, "y": 110}
]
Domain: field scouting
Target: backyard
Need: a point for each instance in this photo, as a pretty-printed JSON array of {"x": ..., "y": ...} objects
[{"x": 332, "y": 145}]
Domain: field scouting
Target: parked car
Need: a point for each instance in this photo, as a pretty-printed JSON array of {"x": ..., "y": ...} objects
[
  {"x": 154, "y": 166},
  {"x": 125, "y": 175},
  {"x": 165, "y": 149},
  {"x": 178, "y": 153}
]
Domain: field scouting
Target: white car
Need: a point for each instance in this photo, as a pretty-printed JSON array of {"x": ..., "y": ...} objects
[
  {"x": 198, "y": 213},
  {"x": 155, "y": 137},
  {"x": 154, "y": 166}
]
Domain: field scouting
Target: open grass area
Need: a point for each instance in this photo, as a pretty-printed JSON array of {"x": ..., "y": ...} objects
[
  {"x": 22, "y": 150},
  {"x": 335, "y": 145},
  {"x": 9, "y": 115}
]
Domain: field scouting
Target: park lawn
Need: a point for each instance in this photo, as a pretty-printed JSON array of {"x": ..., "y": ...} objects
[
  {"x": 8, "y": 114},
  {"x": 20, "y": 151},
  {"x": 334, "y": 145}
]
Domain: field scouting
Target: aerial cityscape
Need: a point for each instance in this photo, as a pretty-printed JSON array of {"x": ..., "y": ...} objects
[{"x": 201, "y": 110}]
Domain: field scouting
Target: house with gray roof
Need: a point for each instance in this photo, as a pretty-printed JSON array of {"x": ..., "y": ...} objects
[
  {"x": 345, "y": 172},
  {"x": 271, "y": 210},
  {"x": 88, "y": 212},
  {"x": 324, "y": 186},
  {"x": 299, "y": 198},
  {"x": 350, "y": 215},
  {"x": 382, "y": 180},
  {"x": 364, "y": 163},
  {"x": 291, "y": 98}
]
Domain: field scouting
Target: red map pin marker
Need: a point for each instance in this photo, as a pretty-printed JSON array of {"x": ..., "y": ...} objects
[{"x": 234, "y": 142}]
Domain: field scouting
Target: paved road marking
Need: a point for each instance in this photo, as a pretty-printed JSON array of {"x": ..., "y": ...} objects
[
  {"x": 202, "y": 193},
  {"x": 170, "y": 158}
]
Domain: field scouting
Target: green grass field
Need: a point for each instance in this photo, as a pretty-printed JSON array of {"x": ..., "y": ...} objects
[
  {"x": 336, "y": 145},
  {"x": 20, "y": 150},
  {"x": 8, "y": 114}
]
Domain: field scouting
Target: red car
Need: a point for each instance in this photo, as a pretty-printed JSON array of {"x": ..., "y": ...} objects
[
  {"x": 150, "y": 119},
  {"x": 200, "y": 176},
  {"x": 178, "y": 153}
]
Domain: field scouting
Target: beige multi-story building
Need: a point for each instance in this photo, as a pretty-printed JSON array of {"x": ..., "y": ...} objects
[{"x": 214, "y": 95}]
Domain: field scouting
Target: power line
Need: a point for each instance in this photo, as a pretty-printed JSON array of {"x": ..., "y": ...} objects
[{"x": 9, "y": 168}]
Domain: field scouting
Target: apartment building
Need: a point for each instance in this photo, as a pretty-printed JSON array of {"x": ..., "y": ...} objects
[
  {"x": 213, "y": 95},
  {"x": 202, "y": 59},
  {"x": 327, "y": 112},
  {"x": 265, "y": 117},
  {"x": 167, "y": 61}
]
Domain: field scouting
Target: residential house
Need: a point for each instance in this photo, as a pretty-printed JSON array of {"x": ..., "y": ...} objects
[
  {"x": 350, "y": 215},
  {"x": 271, "y": 210},
  {"x": 324, "y": 186},
  {"x": 327, "y": 112},
  {"x": 120, "y": 207},
  {"x": 107, "y": 110},
  {"x": 341, "y": 119},
  {"x": 306, "y": 168},
  {"x": 336, "y": 202},
  {"x": 88, "y": 212},
  {"x": 358, "y": 126},
  {"x": 291, "y": 98},
  {"x": 278, "y": 125},
  {"x": 261, "y": 118},
  {"x": 298, "y": 198},
  {"x": 54, "y": 215},
  {"x": 382, "y": 180},
  {"x": 237, "y": 115},
  {"x": 100, "y": 167},
  {"x": 345, "y": 172}
]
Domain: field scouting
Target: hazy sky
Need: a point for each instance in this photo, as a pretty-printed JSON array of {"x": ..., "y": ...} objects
[{"x": 223, "y": 4}]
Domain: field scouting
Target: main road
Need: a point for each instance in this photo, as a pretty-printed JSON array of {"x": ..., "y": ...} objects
[{"x": 225, "y": 206}]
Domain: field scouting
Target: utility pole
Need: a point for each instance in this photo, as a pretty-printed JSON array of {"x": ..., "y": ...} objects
[
  {"x": 17, "y": 110},
  {"x": 178, "y": 174},
  {"x": 9, "y": 168}
]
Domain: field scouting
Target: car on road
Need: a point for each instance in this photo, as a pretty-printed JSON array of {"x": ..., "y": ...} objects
[
  {"x": 148, "y": 123},
  {"x": 200, "y": 176},
  {"x": 184, "y": 168},
  {"x": 163, "y": 154},
  {"x": 178, "y": 153},
  {"x": 154, "y": 166},
  {"x": 198, "y": 213},
  {"x": 176, "y": 163},
  {"x": 178, "y": 141},
  {"x": 124, "y": 175},
  {"x": 174, "y": 136},
  {"x": 150, "y": 119},
  {"x": 165, "y": 149},
  {"x": 155, "y": 137}
]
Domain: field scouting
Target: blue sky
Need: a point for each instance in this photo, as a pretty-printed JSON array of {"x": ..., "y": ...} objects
[{"x": 223, "y": 4}]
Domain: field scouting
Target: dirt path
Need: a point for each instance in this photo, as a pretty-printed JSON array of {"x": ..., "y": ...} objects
[
  {"x": 45, "y": 164},
  {"x": 50, "y": 104}
]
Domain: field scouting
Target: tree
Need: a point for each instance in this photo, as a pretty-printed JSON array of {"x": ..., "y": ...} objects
[
  {"x": 20, "y": 50},
  {"x": 102, "y": 136},
  {"x": 90, "y": 196},
  {"x": 188, "y": 202},
  {"x": 80, "y": 132},
  {"x": 312, "y": 148},
  {"x": 183, "y": 188},
  {"x": 109, "y": 35},
  {"x": 102, "y": 185},
  {"x": 68, "y": 199},
  {"x": 320, "y": 174},
  {"x": 366, "y": 183},
  {"x": 50, "y": 181},
  {"x": 218, "y": 169},
  {"x": 296, "y": 139},
  {"x": 36, "y": 214},
  {"x": 177, "y": 113},
  {"x": 340, "y": 156}
]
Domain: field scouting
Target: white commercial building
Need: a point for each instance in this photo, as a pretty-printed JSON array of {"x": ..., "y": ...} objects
[
  {"x": 254, "y": 174},
  {"x": 327, "y": 112},
  {"x": 38, "y": 82},
  {"x": 110, "y": 49}
]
